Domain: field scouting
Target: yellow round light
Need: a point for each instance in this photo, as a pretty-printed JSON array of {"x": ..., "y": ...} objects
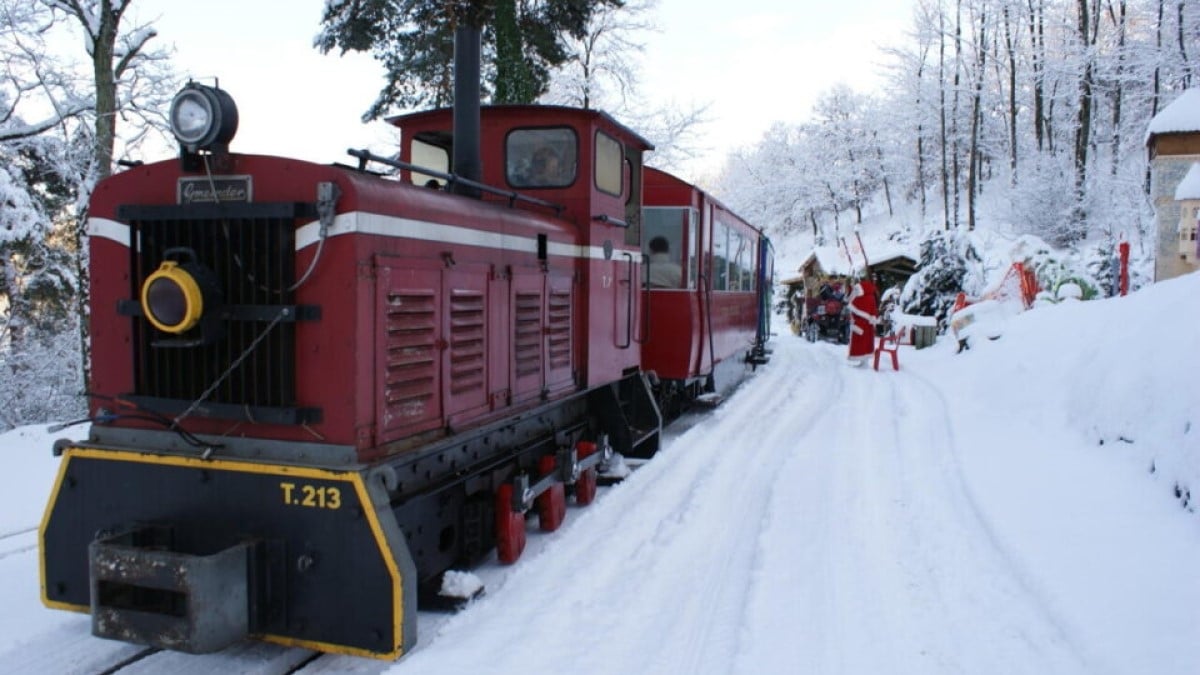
[{"x": 172, "y": 299}]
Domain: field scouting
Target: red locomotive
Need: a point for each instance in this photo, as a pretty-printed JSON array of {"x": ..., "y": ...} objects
[{"x": 316, "y": 388}]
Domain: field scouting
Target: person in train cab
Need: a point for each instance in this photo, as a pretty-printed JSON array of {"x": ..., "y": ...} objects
[
  {"x": 547, "y": 168},
  {"x": 864, "y": 315},
  {"x": 663, "y": 271}
]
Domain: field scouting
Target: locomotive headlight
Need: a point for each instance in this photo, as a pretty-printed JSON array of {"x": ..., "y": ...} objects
[
  {"x": 172, "y": 298},
  {"x": 203, "y": 117}
]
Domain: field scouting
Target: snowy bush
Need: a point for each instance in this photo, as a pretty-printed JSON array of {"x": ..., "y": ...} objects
[
  {"x": 40, "y": 378},
  {"x": 945, "y": 268}
]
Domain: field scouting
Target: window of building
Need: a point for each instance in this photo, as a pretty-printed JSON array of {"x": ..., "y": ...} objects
[{"x": 541, "y": 158}]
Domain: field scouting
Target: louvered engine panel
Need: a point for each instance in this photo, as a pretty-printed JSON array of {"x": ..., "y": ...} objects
[
  {"x": 559, "y": 337},
  {"x": 467, "y": 332},
  {"x": 410, "y": 368},
  {"x": 527, "y": 344}
]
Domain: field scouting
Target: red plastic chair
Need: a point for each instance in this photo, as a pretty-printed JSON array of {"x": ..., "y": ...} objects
[{"x": 890, "y": 344}]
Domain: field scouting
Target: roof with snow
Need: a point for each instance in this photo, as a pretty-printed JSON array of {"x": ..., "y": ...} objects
[
  {"x": 848, "y": 261},
  {"x": 1189, "y": 187},
  {"x": 1180, "y": 117}
]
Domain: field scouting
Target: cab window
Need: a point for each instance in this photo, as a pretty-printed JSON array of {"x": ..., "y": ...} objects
[
  {"x": 541, "y": 158},
  {"x": 608, "y": 164},
  {"x": 432, "y": 157}
]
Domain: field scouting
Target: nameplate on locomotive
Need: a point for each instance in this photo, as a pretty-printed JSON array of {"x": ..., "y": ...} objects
[{"x": 218, "y": 189}]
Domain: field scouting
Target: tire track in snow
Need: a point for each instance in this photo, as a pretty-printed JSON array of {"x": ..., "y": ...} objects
[
  {"x": 679, "y": 535},
  {"x": 1043, "y": 629},
  {"x": 711, "y": 645},
  {"x": 18, "y": 542},
  {"x": 893, "y": 569}
]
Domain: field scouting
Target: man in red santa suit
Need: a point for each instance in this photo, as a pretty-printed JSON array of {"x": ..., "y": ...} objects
[{"x": 863, "y": 315}]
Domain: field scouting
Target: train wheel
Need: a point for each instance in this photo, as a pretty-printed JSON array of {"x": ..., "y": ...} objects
[
  {"x": 510, "y": 527},
  {"x": 585, "y": 485},
  {"x": 552, "y": 504}
]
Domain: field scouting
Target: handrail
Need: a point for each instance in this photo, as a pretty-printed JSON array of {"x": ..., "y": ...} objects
[
  {"x": 365, "y": 156},
  {"x": 628, "y": 305},
  {"x": 609, "y": 220}
]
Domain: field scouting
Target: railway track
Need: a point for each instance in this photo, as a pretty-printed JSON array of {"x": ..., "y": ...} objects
[
  {"x": 67, "y": 647},
  {"x": 18, "y": 541}
]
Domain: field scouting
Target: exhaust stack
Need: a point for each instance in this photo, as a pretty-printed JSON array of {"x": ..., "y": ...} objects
[{"x": 467, "y": 159}]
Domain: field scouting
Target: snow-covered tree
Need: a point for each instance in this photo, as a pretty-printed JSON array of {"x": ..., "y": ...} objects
[
  {"x": 601, "y": 72},
  {"x": 946, "y": 259},
  {"x": 59, "y": 134}
]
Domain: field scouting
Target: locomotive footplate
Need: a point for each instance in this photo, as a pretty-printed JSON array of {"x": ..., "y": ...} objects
[{"x": 190, "y": 554}]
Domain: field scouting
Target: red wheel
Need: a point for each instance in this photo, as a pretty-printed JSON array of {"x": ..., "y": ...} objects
[
  {"x": 585, "y": 487},
  {"x": 510, "y": 527},
  {"x": 552, "y": 504}
]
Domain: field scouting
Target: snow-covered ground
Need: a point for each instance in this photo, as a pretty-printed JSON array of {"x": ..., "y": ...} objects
[{"x": 1021, "y": 507}]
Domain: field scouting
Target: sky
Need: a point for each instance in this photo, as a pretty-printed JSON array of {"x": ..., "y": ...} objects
[
  {"x": 1024, "y": 506},
  {"x": 752, "y": 62}
]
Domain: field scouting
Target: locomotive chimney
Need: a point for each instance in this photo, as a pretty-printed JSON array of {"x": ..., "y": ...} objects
[{"x": 467, "y": 161}]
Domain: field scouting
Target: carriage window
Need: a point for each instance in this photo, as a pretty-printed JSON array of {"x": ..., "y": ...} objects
[
  {"x": 663, "y": 229},
  {"x": 541, "y": 158},
  {"x": 431, "y": 157},
  {"x": 720, "y": 257},
  {"x": 739, "y": 268},
  {"x": 608, "y": 164}
]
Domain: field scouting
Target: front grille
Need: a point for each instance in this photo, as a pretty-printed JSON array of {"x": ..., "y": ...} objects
[{"x": 250, "y": 249}]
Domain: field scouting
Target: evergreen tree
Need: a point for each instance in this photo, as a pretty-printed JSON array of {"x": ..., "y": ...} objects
[
  {"x": 414, "y": 40},
  {"x": 940, "y": 277}
]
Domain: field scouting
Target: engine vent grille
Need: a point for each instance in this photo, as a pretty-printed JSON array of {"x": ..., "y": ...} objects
[
  {"x": 466, "y": 341},
  {"x": 410, "y": 383},
  {"x": 251, "y": 249},
  {"x": 527, "y": 340},
  {"x": 558, "y": 329}
]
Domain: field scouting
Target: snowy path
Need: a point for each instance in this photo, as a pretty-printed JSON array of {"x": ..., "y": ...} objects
[
  {"x": 893, "y": 569},
  {"x": 825, "y": 519}
]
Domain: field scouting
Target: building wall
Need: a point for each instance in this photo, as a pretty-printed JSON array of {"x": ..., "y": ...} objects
[{"x": 1166, "y": 172}]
